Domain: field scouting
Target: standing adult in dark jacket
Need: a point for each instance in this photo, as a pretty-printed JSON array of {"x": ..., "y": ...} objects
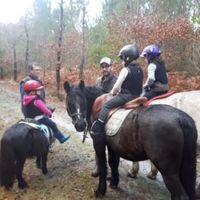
[
  {"x": 34, "y": 74},
  {"x": 108, "y": 78},
  {"x": 106, "y": 83}
]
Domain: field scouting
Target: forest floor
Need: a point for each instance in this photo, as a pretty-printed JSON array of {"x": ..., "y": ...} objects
[{"x": 69, "y": 164}]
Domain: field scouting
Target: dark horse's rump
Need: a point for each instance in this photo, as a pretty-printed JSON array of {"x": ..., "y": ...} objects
[
  {"x": 19, "y": 142},
  {"x": 161, "y": 133}
]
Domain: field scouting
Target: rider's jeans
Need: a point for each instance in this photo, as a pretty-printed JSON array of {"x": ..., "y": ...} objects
[
  {"x": 57, "y": 133},
  {"x": 116, "y": 101}
]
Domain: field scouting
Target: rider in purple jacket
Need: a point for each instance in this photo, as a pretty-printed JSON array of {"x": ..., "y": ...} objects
[{"x": 157, "y": 80}]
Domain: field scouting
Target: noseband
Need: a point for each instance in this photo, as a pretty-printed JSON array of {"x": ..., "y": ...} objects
[{"x": 78, "y": 115}]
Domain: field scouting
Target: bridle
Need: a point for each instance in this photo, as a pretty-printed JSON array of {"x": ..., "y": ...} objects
[{"x": 78, "y": 115}]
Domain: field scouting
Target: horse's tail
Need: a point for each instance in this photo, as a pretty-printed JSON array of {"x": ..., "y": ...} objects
[
  {"x": 188, "y": 165},
  {"x": 7, "y": 163}
]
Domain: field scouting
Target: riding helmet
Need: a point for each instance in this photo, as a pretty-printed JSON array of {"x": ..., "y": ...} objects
[
  {"x": 129, "y": 53},
  {"x": 32, "y": 85},
  {"x": 151, "y": 50}
]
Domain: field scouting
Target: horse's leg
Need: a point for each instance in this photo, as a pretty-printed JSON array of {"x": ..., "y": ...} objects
[
  {"x": 95, "y": 172},
  {"x": 175, "y": 187},
  {"x": 132, "y": 173},
  {"x": 38, "y": 162},
  {"x": 153, "y": 173},
  {"x": 114, "y": 164},
  {"x": 197, "y": 192},
  {"x": 19, "y": 168},
  {"x": 44, "y": 164},
  {"x": 99, "y": 146}
]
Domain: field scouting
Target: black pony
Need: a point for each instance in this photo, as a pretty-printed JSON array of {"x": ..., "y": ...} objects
[
  {"x": 161, "y": 133},
  {"x": 19, "y": 142}
]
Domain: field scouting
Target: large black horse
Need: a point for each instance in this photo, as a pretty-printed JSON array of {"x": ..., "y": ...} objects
[
  {"x": 161, "y": 133},
  {"x": 19, "y": 142}
]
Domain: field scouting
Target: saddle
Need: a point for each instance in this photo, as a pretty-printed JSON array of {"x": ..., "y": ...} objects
[
  {"x": 36, "y": 125},
  {"x": 118, "y": 114},
  {"x": 106, "y": 97}
]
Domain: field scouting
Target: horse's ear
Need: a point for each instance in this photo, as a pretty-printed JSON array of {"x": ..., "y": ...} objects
[
  {"x": 66, "y": 86},
  {"x": 82, "y": 85}
]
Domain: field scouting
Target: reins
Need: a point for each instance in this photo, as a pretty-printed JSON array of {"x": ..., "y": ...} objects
[{"x": 85, "y": 132}]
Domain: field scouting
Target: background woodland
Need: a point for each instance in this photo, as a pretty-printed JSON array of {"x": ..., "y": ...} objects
[{"x": 69, "y": 45}]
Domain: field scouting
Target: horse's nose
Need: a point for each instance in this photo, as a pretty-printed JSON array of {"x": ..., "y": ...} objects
[{"x": 80, "y": 126}]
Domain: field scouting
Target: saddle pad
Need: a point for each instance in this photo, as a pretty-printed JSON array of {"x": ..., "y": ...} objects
[
  {"x": 43, "y": 128},
  {"x": 115, "y": 121}
]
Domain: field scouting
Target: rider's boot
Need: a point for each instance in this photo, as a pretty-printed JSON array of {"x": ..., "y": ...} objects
[
  {"x": 61, "y": 137},
  {"x": 97, "y": 127}
]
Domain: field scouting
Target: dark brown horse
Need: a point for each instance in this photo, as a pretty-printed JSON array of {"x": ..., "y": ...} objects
[
  {"x": 161, "y": 133},
  {"x": 19, "y": 142}
]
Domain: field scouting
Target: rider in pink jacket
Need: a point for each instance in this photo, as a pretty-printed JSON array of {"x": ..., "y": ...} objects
[{"x": 36, "y": 108}]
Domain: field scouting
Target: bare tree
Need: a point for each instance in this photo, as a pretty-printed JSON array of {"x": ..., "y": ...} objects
[
  {"x": 14, "y": 60},
  {"x": 13, "y": 32},
  {"x": 82, "y": 64},
  {"x": 59, "y": 51},
  {"x": 1, "y": 72},
  {"x": 27, "y": 44}
]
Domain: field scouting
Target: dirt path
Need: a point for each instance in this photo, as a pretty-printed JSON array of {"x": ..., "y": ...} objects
[{"x": 69, "y": 164}]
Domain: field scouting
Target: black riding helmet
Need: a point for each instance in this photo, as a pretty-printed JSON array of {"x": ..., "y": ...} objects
[{"x": 129, "y": 53}]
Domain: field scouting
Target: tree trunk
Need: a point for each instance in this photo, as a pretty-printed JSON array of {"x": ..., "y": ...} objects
[
  {"x": 27, "y": 47},
  {"x": 1, "y": 72},
  {"x": 59, "y": 52},
  {"x": 82, "y": 64},
  {"x": 15, "y": 63}
]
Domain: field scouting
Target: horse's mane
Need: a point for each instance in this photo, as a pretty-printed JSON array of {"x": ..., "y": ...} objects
[
  {"x": 75, "y": 90},
  {"x": 92, "y": 92}
]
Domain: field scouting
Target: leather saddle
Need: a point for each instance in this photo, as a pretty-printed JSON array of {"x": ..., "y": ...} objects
[{"x": 106, "y": 97}]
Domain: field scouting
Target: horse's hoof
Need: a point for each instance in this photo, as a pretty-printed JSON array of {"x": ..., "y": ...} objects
[
  {"x": 44, "y": 171},
  {"x": 113, "y": 186},
  {"x": 197, "y": 191},
  {"x": 131, "y": 175},
  {"x": 95, "y": 174},
  {"x": 151, "y": 176},
  {"x": 22, "y": 185},
  {"x": 7, "y": 187},
  {"x": 99, "y": 194}
]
